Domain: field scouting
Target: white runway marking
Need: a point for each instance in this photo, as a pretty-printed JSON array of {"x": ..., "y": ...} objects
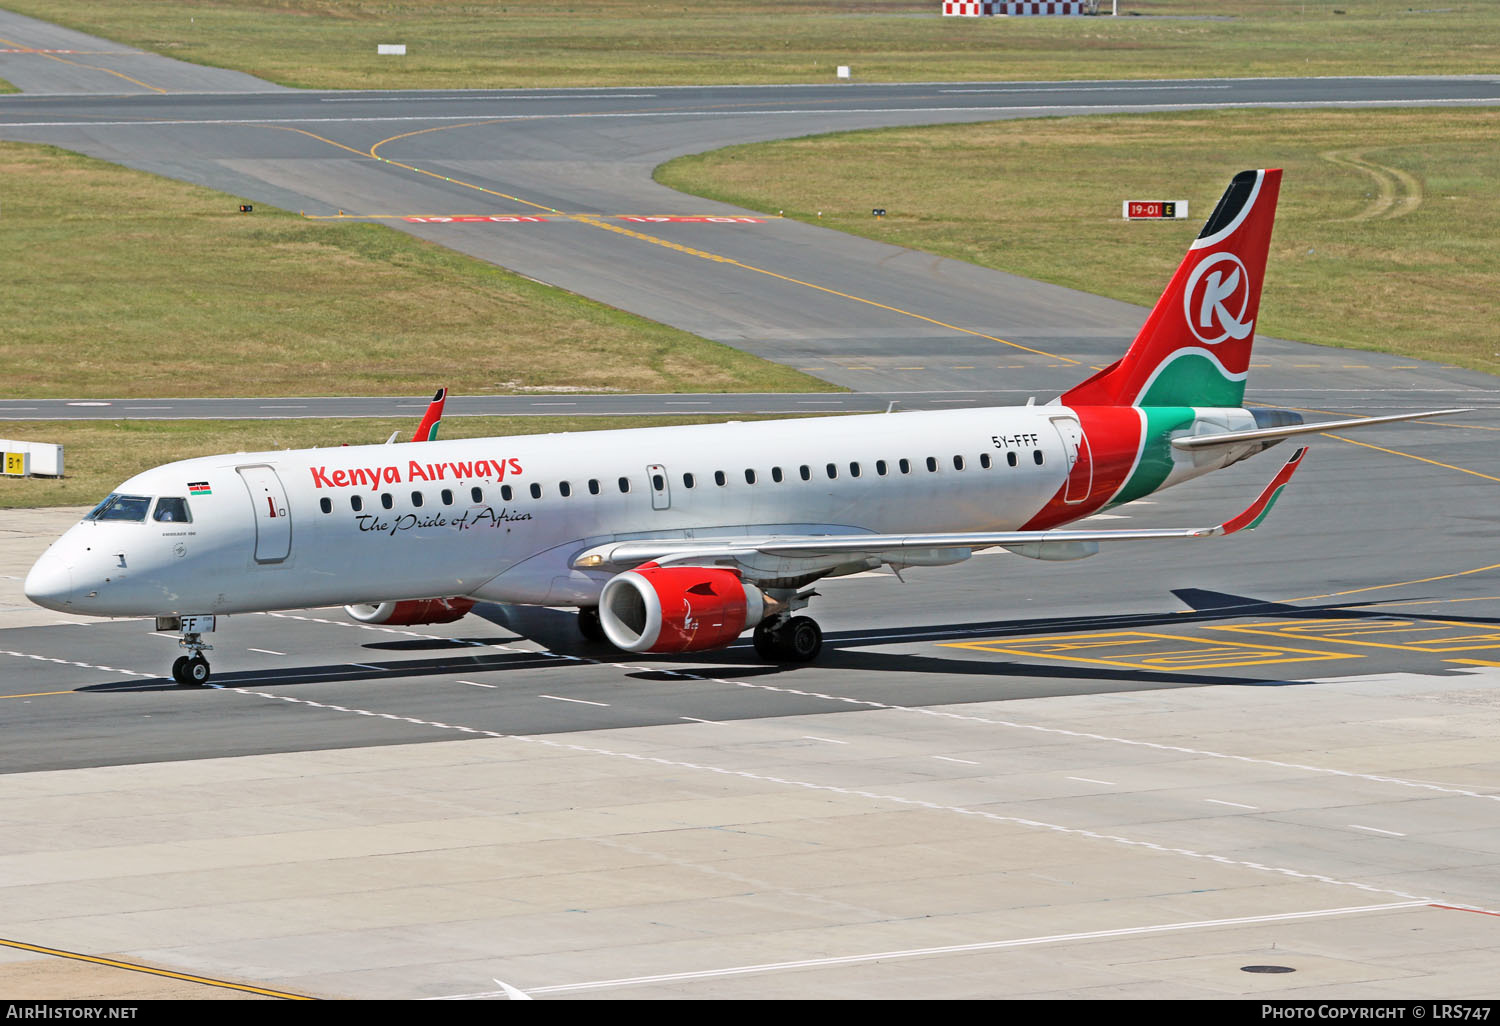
[
  {"x": 951, "y": 949},
  {"x": 1236, "y": 805},
  {"x": 1376, "y": 830},
  {"x": 74, "y": 662},
  {"x": 1079, "y": 89},
  {"x": 575, "y": 701},
  {"x": 488, "y": 95}
]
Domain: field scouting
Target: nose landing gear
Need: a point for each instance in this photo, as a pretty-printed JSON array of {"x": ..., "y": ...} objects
[{"x": 189, "y": 670}]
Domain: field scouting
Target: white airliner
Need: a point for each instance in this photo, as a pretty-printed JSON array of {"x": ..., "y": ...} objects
[{"x": 680, "y": 539}]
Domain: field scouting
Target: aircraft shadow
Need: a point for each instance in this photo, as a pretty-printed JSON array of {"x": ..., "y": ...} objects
[
  {"x": 557, "y": 631},
  {"x": 480, "y": 661}
]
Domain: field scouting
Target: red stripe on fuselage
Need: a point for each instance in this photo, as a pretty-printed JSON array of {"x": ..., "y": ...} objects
[{"x": 1113, "y": 437}]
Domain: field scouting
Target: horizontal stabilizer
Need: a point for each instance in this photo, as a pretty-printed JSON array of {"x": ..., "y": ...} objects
[{"x": 1272, "y": 434}]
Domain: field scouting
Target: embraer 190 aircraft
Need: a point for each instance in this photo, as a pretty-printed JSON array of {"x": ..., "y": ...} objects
[{"x": 680, "y": 539}]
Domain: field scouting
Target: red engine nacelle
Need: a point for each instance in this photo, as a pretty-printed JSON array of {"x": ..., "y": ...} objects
[
  {"x": 678, "y": 608},
  {"x": 410, "y": 612}
]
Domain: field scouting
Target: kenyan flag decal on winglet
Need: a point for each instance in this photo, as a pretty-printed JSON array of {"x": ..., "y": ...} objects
[{"x": 199, "y": 488}]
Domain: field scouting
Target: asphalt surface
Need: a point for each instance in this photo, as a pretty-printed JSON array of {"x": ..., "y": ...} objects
[{"x": 1131, "y": 776}]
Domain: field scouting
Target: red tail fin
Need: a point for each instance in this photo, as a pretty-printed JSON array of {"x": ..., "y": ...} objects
[
  {"x": 427, "y": 430},
  {"x": 1194, "y": 349}
]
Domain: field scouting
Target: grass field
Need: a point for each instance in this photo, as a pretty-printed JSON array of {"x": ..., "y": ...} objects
[
  {"x": 1385, "y": 236},
  {"x": 507, "y": 43},
  {"x": 98, "y": 455},
  {"x": 121, "y": 283}
]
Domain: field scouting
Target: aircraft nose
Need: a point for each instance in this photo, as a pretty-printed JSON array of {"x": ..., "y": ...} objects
[{"x": 50, "y": 583}]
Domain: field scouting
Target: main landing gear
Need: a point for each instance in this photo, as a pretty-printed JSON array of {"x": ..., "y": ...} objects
[
  {"x": 589, "y": 625},
  {"x": 794, "y": 639}
]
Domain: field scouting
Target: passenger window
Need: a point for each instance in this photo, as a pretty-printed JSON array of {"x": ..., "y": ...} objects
[
  {"x": 658, "y": 481},
  {"x": 325, "y": 504},
  {"x": 564, "y": 489},
  {"x": 833, "y": 471},
  {"x": 356, "y": 503},
  {"x": 905, "y": 466},
  {"x": 687, "y": 480},
  {"x": 958, "y": 463},
  {"x": 984, "y": 460},
  {"x": 173, "y": 509},
  {"x": 447, "y": 496},
  {"x": 536, "y": 490},
  {"x": 593, "y": 486},
  {"x": 719, "y": 477},
  {"x": 776, "y": 474},
  {"x": 624, "y": 484},
  {"x": 1036, "y": 454},
  {"x": 122, "y": 507},
  {"x": 932, "y": 464},
  {"x": 749, "y": 477},
  {"x": 386, "y": 500},
  {"x": 881, "y": 468},
  {"x": 416, "y": 498},
  {"x": 476, "y": 494},
  {"x": 505, "y": 493},
  {"x": 1010, "y": 458},
  {"x": 854, "y": 470},
  {"x": 805, "y": 471}
]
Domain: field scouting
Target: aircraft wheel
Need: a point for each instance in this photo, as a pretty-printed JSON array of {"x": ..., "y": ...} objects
[
  {"x": 589, "y": 625},
  {"x": 766, "y": 644},
  {"x": 196, "y": 671},
  {"x": 802, "y": 639},
  {"x": 797, "y": 640},
  {"x": 179, "y": 669}
]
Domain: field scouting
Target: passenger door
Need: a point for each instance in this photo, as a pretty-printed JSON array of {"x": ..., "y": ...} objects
[{"x": 273, "y": 522}]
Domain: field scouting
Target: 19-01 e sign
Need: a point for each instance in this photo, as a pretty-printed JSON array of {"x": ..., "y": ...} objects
[{"x": 1155, "y": 210}]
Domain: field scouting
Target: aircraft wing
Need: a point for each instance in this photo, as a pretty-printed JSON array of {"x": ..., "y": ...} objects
[
  {"x": 784, "y": 555},
  {"x": 1275, "y": 434}
]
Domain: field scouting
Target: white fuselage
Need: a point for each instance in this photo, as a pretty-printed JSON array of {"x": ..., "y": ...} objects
[{"x": 501, "y": 518}]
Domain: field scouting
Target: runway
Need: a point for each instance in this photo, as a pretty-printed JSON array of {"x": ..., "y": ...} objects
[{"x": 1132, "y": 776}]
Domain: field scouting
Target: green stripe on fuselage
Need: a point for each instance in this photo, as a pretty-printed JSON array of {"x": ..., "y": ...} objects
[{"x": 1155, "y": 461}]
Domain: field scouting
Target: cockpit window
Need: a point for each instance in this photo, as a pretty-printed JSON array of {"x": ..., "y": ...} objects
[
  {"x": 122, "y": 507},
  {"x": 171, "y": 508}
]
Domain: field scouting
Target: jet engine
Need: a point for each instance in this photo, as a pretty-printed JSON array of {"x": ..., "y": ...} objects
[
  {"x": 679, "y": 608},
  {"x": 410, "y": 612}
]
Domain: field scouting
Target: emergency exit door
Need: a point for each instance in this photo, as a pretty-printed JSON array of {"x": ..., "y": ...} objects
[{"x": 661, "y": 489}]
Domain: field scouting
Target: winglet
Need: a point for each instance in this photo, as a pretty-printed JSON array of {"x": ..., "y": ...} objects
[
  {"x": 428, "y": 429},
  {"x": 1257, "y": 510}
]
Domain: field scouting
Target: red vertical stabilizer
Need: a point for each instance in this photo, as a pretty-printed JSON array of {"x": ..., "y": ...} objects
[{"x": 1194, "y": 349}]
